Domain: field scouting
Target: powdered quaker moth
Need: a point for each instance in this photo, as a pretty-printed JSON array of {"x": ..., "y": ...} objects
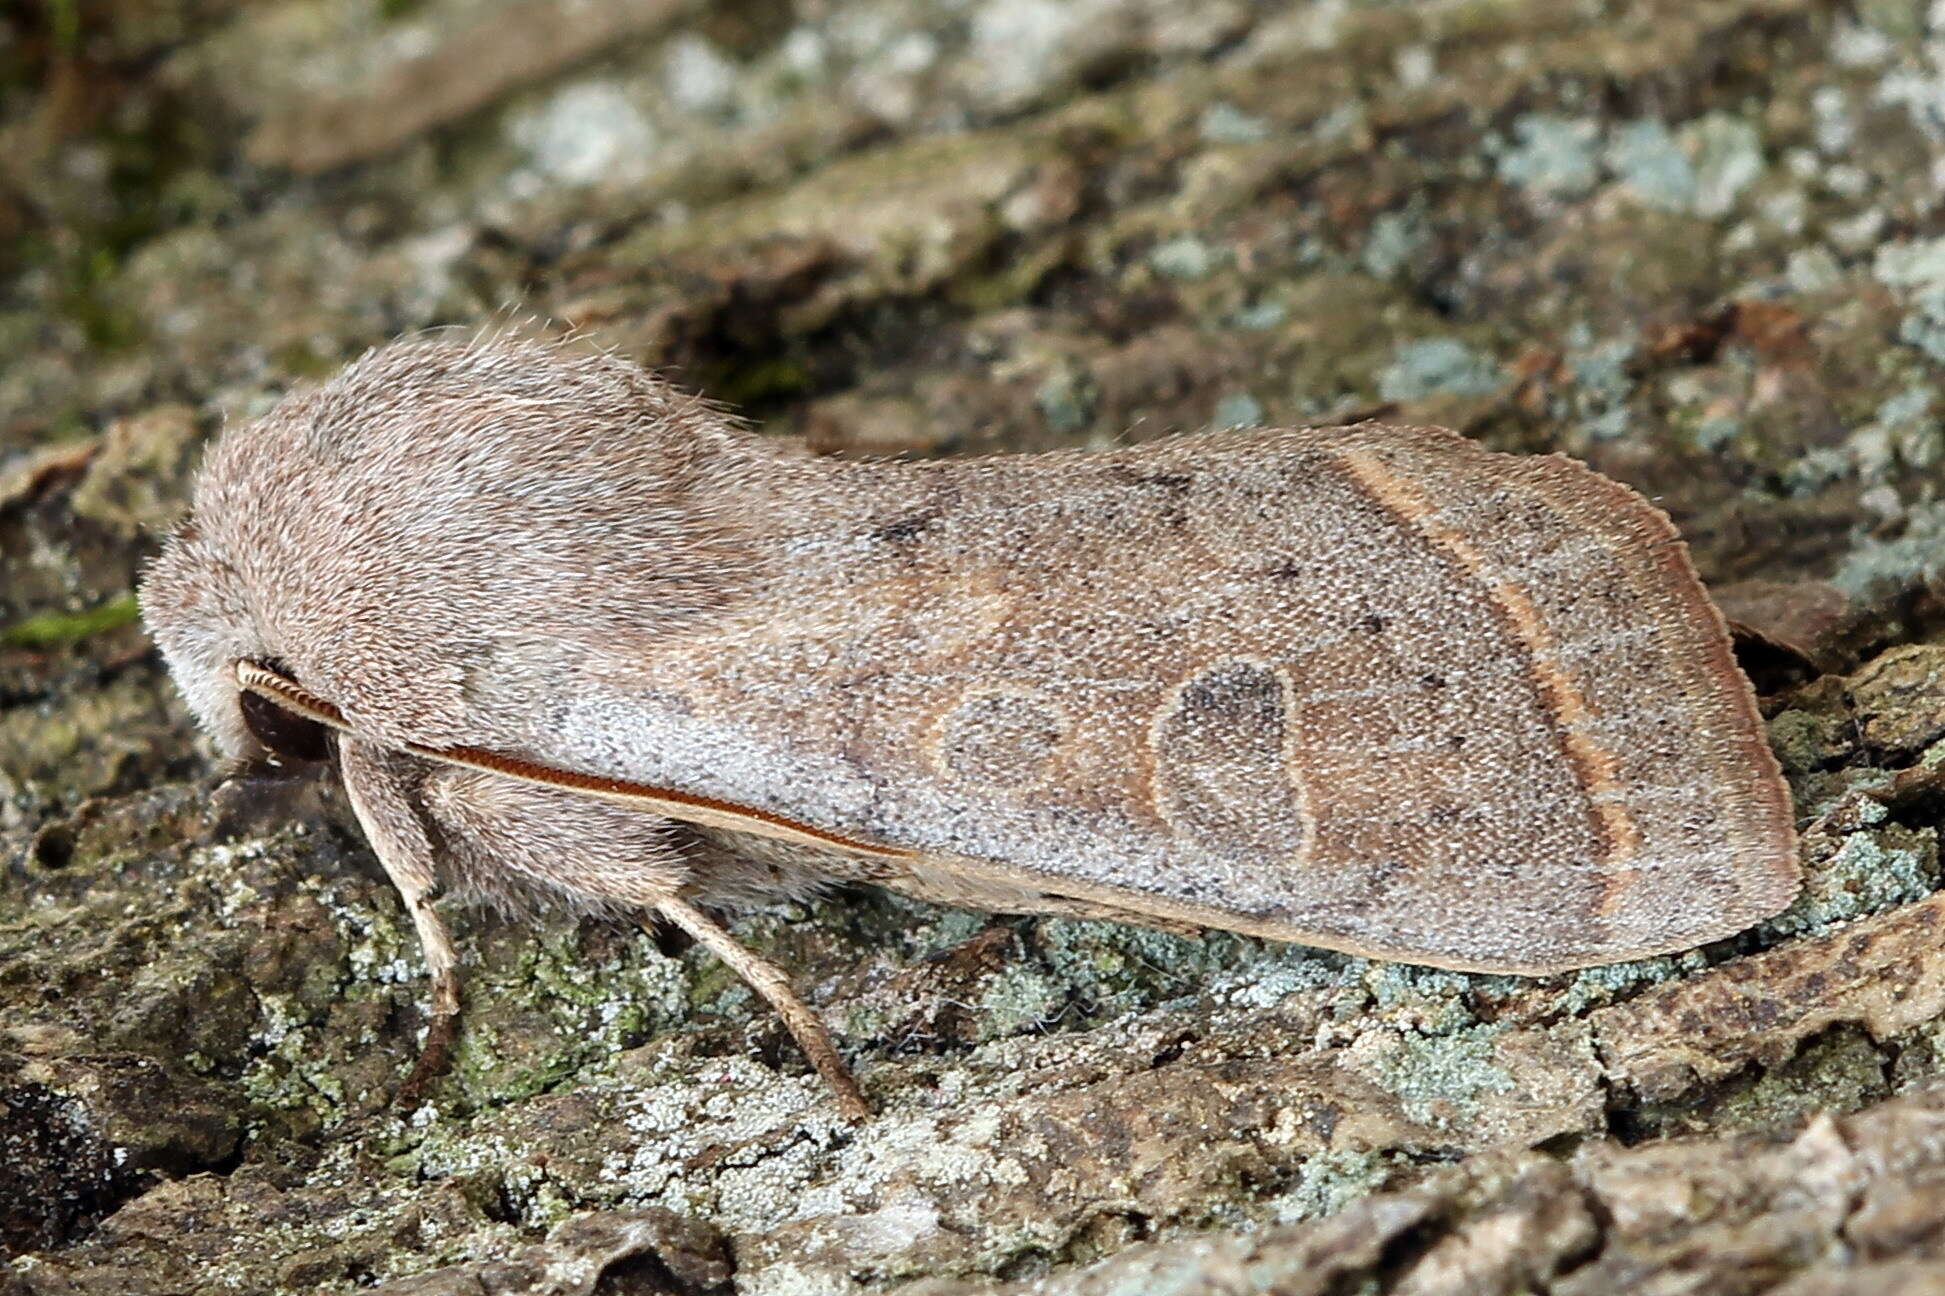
[{"x": 574, "y": 636}]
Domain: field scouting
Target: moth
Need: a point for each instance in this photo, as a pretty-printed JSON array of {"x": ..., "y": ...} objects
[{"x": 571, "y": 635}]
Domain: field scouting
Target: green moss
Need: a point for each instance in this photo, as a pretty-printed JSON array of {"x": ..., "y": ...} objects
[
  {"x": 302, "y": 359},
  {"x": 1874, "y": 567},
  {"x": 64, "y": 25},
  {"x": 1396, "y": 238},
  {"x": 1224, "y": 123},
  {"x": 1839, "y": 1072},
  {"x": 557, "y": 1008},
  {"x": 1804, "y": 740},
  {"x": 1439, "y": 366},
  {"x": 78, "y": 744},
  {"x": 1612, "y": 982},
  {"x": 86, "y": 279},
  {"x": 1184, "y": 257},
  {"x": 1869, "y": 872},
  {"x": 1441, "y": 1077},
  {"x": 53, "y": 629},
  {"x": 1332, "y": 1181},
  {"x": 1018, "y": 1000},
  {"x": 1422, "y": 1000},
  {"x": 1842, "y": 1070},
  {"x": 1653, "y": 167},
  {"x": 1237, "y": 409},
  {"x": 1728, "y": 156},
  {"x": 1067, "y": 399},
  {"x": 1119, "y": 967},
  {"x": 941, "y": 928},
  {"x": 776, "y": 378},
  {"x": 1282, "y": 971},
  {"x": 1261, "y": 315},
  {"x": 1551, "y": 156},
  {"x": 1013, "y": 283}
]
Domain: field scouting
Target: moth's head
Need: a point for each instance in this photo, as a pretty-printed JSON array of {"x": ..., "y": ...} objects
[{"x": 198, "y": 609}]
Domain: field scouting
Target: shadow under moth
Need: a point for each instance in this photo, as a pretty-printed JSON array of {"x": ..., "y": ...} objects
[{"x": 572, "y": 635}]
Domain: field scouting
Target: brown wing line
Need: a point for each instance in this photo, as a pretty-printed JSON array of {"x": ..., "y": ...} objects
[{"x": 273, "y": 686}]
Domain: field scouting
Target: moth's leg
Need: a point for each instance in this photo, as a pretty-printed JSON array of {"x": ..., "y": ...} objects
[
  {"x": 770, "y": 981},
  {"x": 378, "y": 783},
  {"x": 512, "y": 837}
]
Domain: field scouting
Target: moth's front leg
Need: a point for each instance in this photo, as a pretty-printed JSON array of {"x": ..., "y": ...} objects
[
  {"x": 379, "y": 784},
  {"x": 515, "y": 839}
]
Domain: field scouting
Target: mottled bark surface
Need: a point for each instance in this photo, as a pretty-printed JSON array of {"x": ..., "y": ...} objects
[{"x": 1698, "y": 245}]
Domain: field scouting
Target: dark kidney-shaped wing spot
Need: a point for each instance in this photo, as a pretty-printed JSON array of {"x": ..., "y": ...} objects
[
  {"x": 999, "y": 740},
  {"x": 1221, "y": 779}
]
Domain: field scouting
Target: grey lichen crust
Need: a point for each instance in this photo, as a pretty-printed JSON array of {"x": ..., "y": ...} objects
[{"x": 1033, "y": 225}]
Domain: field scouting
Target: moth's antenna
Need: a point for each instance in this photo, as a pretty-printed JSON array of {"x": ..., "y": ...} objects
[{"x": 689, "y": 807}]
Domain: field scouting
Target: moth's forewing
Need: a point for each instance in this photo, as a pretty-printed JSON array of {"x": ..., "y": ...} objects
[
  {"x": 1374, "y": 689},
  {"x": 276, "y": 705}
]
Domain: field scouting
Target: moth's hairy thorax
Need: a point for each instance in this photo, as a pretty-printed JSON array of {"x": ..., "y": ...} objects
[{"x": 435, "y": 537}]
